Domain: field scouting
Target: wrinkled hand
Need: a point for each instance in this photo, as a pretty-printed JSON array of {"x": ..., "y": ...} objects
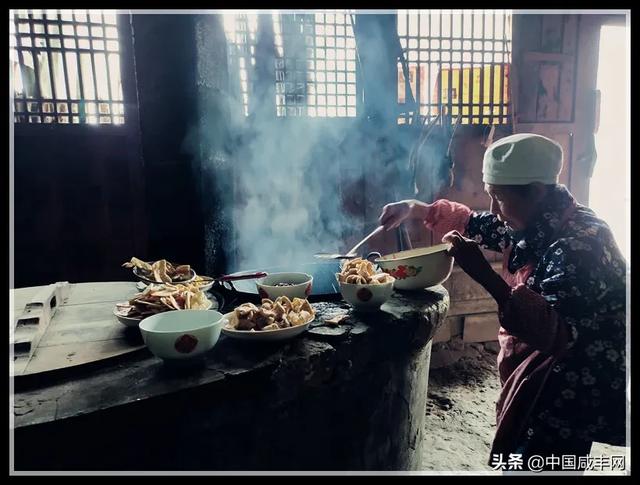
[
  {"x": 395, "y": 214},
  {"x": 469, "y": 257}
]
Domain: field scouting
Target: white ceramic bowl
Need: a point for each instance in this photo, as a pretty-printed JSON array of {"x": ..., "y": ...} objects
[
  {"x": 418, "y": 268},
  {"x": 301, "y": 287},
  {"x": 181, "y": 334},
  {"x": 366, "y": 297}
]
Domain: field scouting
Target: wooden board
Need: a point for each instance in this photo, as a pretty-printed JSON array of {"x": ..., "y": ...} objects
[{"x": 66, "y": 325}]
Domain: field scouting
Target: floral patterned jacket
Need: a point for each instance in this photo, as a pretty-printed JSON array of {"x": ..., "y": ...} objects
[{"x": 577, "y": 281}]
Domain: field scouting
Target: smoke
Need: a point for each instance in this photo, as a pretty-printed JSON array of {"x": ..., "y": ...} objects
[
  {"x": 286, "y": 183},
  {"x": 288, "y": 186}
]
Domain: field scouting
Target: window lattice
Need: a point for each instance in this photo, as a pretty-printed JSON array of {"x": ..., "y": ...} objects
[
  {"x": 241, "y": 31},
  {"x": 458, "y": 63},
  {"x": 315, "y": 64},
  {"x": 65, "y": 67}
]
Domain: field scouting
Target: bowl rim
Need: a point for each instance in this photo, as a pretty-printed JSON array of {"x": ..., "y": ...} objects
[
  {"x": 392, "y": 257},
  {"x": 309, "y": 279},
  {"x": 367, "y": 285},
  {"x": 220, "y": 321},
  {"x": 233, "y": 331}
]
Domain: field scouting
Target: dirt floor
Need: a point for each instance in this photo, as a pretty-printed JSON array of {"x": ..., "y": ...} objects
[{"x": 460, "y": 420}]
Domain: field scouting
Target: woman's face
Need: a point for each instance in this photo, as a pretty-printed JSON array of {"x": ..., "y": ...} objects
[{"x": 511, "y": 207}]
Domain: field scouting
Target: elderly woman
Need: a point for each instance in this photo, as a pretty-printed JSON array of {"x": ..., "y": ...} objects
[{"x": 561, "y": 300}]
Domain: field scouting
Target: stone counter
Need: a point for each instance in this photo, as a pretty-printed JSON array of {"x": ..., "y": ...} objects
[{"x": 350, "y": 397}]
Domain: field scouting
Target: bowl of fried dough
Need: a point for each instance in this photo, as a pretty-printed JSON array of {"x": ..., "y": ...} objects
[
  {"x": 364, "y": 288},
  {"x": 161, "y": 271}
]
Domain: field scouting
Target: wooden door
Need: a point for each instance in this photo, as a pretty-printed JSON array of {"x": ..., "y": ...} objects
[{"x": 555, "y": 61}]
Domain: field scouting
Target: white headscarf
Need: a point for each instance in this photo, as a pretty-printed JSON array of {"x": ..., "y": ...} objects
[{"x": 522, "y": 159}]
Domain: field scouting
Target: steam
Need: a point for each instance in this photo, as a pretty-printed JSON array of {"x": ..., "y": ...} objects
[
  {"x": 284, "y": 193},
  {"x": 289, "y": 194}
]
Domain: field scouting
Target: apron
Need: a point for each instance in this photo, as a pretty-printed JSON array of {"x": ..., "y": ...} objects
[{"x": 523, "y": 370}]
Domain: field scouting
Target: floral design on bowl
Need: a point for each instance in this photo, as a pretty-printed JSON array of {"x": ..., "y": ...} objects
[
  {"x": 307, "y": 290},
  {"x": 364, "y": 294},
  {"x": 186, "y": 343},
  {"x": 262, "y": 293},
  {"x": 403, "y": 271}
]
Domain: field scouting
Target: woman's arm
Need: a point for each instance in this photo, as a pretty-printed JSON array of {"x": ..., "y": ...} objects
[
  {"x": 484, "y": 228},
  {"x": 443, "y": 216}
]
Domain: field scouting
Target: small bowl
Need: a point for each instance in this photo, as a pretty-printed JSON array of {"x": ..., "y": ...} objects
[
  {"x": 366, "y": 297},
  {"x": 418, "y": 268},
  {"x": 302, "y": 283},
  {"x": 181, "y": 334}
]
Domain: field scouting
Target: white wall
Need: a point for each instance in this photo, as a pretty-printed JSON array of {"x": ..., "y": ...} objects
[{"x": 609, "y": 191}]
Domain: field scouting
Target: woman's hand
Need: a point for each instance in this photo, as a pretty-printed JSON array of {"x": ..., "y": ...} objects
[
  {"x": 396, "y": 213},
  {"x": 469, "y": 257}
]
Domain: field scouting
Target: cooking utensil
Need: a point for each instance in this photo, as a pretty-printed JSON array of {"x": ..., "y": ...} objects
[
  {"x": 235, "y": 277},
  {"x": 221, "y": 279},
  {"x": 351, "y": 253}
]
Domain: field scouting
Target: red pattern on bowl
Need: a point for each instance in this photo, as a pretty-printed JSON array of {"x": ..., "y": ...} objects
[
  {"x": 403, "y": 271},
  {"x": 186, "y": 343},
  {"x": 364, "y": 294}
]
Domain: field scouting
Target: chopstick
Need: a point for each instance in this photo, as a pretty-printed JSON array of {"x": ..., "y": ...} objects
[{"x": 373, "y": 233}]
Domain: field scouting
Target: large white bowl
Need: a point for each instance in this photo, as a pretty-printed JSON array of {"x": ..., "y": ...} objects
[
  {"x": 366, "y": 297},
  {"x": 181, "y": 334},
  {"x": 301, "y": 287},
  {"x": 418, "y": 268}
]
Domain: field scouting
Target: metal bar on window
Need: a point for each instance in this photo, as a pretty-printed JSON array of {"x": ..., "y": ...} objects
[
  {"x": 440, "y": 73},
  {"x": 407, "y": 81},
  {"x": 503, "y": 101},
  {"x": 36, "y": 65},
  {"x": 473, "y": 70},
  {"x": 482, "y": 73},
  {"x": 65, "y": 69},
  {"x": 429, "y": 99},
  {"x": 461, "y": 70},
  {"x": 21, "y": 62},
  {"x": 418, "y": 68},
  {"x": 92, "y": 60},
  {"x": 492, "y": 71},
  {"x": 450, "y": 76},
  {"x": 107, "y": 70},
  {"x": 47, "y": 52}
]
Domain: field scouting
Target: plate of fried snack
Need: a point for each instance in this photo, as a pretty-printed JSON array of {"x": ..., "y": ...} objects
[
  {"x": 158, "y": 299},
  {"x": 277, "y": 319},
  {"x": 161, "y": 271}
]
